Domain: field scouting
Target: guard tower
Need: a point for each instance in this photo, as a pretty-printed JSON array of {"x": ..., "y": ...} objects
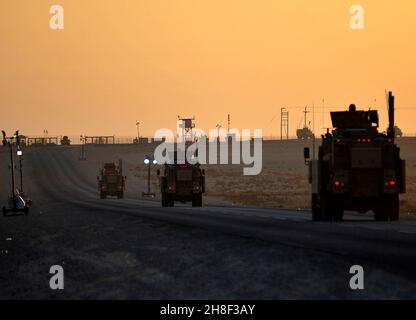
[{"x": 187, "y": 125}]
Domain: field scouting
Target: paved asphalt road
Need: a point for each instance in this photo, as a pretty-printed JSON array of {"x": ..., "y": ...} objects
[{"x": 135, "y": 249}]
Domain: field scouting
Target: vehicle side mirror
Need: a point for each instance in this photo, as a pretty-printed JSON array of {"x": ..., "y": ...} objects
[
  {"x": 306, "y": 154},
  {"x": 158, "y": 172}
]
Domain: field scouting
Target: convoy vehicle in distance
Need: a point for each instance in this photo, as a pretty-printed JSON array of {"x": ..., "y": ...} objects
[
  {"x": 358, "y": 168},
  {"x": 111, "y": 181},
  {"x": 181, "y": 182},
  {"x": 65, "y": 141},
  {"x": 304, "y": 133}
]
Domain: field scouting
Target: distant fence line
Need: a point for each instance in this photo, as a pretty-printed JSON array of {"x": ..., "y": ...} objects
[{"x": 103, "y": 140}]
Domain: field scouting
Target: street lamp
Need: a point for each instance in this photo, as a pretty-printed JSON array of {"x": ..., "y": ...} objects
[
  {"x": 82, "y": 155},
  {"x": 149, "y": 161},
  {"x": 138, "y": 130},
  {"x": 218, "y": 126},
  {"x": 18, "y": 205},
  {"x": 20, "y": 155}
]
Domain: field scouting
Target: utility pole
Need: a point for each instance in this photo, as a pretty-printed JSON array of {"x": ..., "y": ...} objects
[{"x": 229, "y": 123}]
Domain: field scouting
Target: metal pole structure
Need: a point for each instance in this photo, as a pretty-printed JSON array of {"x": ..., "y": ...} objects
[
  {"x": 218, "y": 131},
  {"x": 313, "y": 128},
  {"x": 13, "y": 174},
  {"x": 138, "y": 130},
  {"x": 16, "y": 194},
  {"x": 390, "y": 131},
  {"x": 83, "y": 140},
  {"x": 305, "y": 112},
  {"x": 283, "y": 122},
  {"x": 323, "y": 115},
  {"x": 21, "y": 174},
  {"x": 148, "y": 161},
  {"x": 148, "y": 178}
]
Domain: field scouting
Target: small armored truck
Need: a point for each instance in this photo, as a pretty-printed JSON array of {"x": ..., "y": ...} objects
[
  {"x": 304, "y": 133},
  {"x": 182, "y": 182},
  {"x": 111, "y": 181},
  {"x": 358, "y": 168},
  {"x": 65, "y": 141}
]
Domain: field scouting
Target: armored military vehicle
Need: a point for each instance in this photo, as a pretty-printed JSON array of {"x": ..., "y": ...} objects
[
  {"x": 304, "y": 133},
  {"x": 182, "y": 182},
  {"x": 358, "y": 168},
  {"x": 111, "y": 181},
  {"x": 65, "y": 141}
]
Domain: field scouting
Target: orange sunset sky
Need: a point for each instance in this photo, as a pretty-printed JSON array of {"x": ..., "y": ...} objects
[{"x": 151, "y": 60}]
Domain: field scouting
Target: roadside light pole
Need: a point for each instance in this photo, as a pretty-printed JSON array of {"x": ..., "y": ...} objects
[
  {"x": 149, "y": 161},
  {"x": 82, "y": 155},
  {"x": 138, "y": 130},
  {"x": 20, "y": 155},
  {"x": 13, "y": 177},
  {"x": 18, "y": 205},
  {"x": 218, "y": 126}
]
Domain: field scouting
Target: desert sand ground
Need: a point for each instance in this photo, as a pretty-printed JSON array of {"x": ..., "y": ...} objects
[{"x": 281, "y": 184}]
